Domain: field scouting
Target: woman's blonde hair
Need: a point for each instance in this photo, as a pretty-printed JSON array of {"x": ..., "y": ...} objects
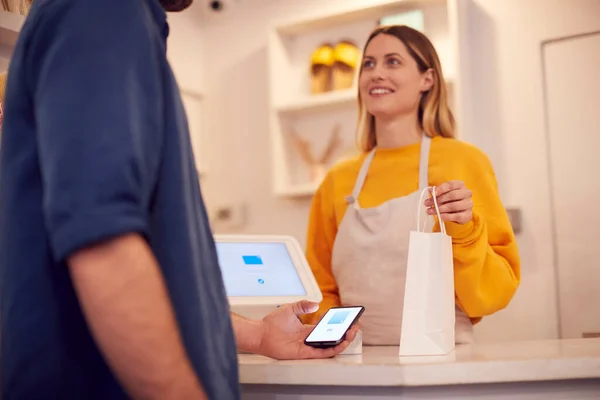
[{"x": 435, "y": 116}]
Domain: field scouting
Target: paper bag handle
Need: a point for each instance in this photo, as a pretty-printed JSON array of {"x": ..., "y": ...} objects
[{"x": 437, "y": 210}]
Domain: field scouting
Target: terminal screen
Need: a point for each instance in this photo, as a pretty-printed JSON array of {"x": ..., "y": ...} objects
[{"x": 258, "y": 269}]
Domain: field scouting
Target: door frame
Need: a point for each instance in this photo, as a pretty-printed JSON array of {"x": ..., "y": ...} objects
[{"x": 551, "y": 199}]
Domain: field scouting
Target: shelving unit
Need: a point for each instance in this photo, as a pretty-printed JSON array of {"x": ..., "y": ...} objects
[
  {"x": 326, "y": 101},
  {"x": 10, "y": 26},
  {"x": 313, "y": 117}
]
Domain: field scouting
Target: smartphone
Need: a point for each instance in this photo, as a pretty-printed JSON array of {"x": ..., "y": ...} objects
[{"x": 331, "y": 329}]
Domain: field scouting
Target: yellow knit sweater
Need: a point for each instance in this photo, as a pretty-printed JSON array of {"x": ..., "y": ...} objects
[{"x": 486, "y": 257}]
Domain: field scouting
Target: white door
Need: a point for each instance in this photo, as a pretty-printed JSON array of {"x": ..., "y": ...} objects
[{"x": 572, "y": 84}]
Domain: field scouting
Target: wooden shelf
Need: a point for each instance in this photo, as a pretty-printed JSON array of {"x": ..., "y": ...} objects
[
  {"x": 356, "y": 10},
  {"x": 327, "y": 101},
  {"x": 322, "y": 102},
  {"x": 302, "y": 190},
  {"x": 10, "y": 27}
]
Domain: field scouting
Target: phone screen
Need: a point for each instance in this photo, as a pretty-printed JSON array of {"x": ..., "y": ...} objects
[{"x": 334, "y": 324}]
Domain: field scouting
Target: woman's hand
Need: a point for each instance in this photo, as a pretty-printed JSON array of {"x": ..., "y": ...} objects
[{"x": 454, "y": 201}]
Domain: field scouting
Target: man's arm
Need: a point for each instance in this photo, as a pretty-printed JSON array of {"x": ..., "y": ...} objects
[
  {"x": 248, "y": 333},
  {"x": 123, "y": 296},
  {"x": 96, "y": 80}
]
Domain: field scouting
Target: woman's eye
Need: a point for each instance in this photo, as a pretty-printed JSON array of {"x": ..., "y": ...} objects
[
  {"x": 368, "y": 64},
  {"x": 393, "y": 61}
]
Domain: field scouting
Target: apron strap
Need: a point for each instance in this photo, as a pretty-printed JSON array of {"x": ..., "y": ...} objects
[
  {"x": 424, "y": 162},
  {"x": 360, "y": 180},
  {"x": 423, "y": 170}
]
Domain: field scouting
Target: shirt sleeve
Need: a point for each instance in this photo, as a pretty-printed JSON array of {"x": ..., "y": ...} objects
[
  {"x": 96, "y": 92},
  {"x": 487, "y": 268},
  {"x": 322, "y": 229}
]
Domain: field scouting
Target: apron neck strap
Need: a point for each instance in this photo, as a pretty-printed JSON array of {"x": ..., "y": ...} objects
[
  {"x": 360, "y": 180},
  {"x": 423, "y": 169},
  {"x": 424, "y": 162}
]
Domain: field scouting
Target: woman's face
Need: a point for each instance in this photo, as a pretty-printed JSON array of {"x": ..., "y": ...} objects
[{"x": 390, "y": 83}]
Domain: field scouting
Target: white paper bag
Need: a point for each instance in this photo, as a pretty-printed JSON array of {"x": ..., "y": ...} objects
[{"x": 429, "y": 306}]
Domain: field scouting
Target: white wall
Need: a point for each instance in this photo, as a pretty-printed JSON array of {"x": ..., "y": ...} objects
[
  {"x": 185, "y": 47},
  {"x": 235, "y": 66},
  {"x": 507, "y": 122},
  {"x": 509, "y": 126},
  {"x": 185, "y": 50}
]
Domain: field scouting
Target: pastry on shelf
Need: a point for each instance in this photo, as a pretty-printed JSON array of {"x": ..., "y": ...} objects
[
  {"x": 346, "y": 56},
  {"x": 320, "y": 69}
]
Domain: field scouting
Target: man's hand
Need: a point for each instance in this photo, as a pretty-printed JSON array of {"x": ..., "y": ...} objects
[{"x": 283, "y": 334}]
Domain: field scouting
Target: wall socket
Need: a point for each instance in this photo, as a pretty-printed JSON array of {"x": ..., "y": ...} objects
[
  {"x": 516, "y": 220},
  {"x": 228, "y": 216}
]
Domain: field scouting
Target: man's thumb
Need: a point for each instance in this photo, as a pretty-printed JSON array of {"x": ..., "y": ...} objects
[{"x": 305, "y": 307}]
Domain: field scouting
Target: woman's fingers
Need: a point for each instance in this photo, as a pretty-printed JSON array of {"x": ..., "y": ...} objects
[
  {"x": 447, "y": 187},
  {"x": 449, "y": 192},
  {"x": 454, "y": 201},
  {"x": 453, "y": 207},
  {"x": 455, "y": 195},
  {"x": 459, "y": 218}
]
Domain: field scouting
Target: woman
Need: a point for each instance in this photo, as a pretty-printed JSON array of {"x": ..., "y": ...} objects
[{"x": 365, "y": 208}]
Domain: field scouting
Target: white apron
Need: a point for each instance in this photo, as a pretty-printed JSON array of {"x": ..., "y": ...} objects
[{"x": 370, "y": 256}]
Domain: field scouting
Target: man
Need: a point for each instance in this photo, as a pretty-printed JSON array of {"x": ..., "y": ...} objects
[{"x": 110, "y": 282}]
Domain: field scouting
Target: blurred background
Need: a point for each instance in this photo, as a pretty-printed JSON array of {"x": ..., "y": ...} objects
[{"x": 524, "y": 81}]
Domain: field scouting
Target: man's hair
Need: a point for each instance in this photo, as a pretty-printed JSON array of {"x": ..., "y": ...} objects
[{"x": 175, "y": 5}]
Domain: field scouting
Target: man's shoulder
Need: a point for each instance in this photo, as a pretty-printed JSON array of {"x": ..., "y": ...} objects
[
  {"x": 114, "y": 7},
  {"x": 88, "y": 29},
  {"x": 63, "y": 16}
]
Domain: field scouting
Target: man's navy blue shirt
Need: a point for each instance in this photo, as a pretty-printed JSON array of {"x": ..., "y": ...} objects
[{"x": 95, "y": 144}]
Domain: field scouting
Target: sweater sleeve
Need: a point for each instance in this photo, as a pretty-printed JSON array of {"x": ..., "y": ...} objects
[
  {"x": 322, "y": 229},
  {"x": 487, "y": 268}
]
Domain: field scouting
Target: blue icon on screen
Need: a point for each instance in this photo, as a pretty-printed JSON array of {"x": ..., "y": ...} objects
[
  {"x": 261, "y": 281},
  {"x": 338, "y": 318},
  {"x": 252, "y": 260}
]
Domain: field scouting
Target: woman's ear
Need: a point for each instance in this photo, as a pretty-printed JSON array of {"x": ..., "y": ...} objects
[{"x": 428, "y": 78}]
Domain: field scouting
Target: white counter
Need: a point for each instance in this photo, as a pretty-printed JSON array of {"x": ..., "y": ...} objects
[{"x": 549, "y": 369}]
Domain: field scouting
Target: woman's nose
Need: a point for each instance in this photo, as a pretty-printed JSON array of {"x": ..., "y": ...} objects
[{"x": 376, "y": 75}]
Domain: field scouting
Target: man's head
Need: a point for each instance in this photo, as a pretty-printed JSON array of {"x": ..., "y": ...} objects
[{"x": 175, "y": 5}]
